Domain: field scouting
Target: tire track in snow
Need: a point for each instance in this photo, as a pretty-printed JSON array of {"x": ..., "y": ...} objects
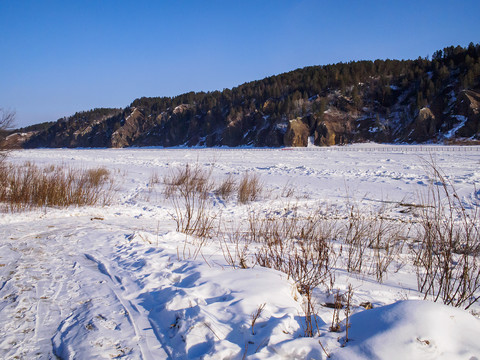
[
  {"x": 150, "y": 344},
  {"x": 27, "y": 303},
  {"x": 50, "y": 294}
]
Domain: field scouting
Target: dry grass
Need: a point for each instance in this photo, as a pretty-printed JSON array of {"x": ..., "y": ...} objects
[
  {"x": 191, "y": 179},
  {"x": 97, "y": 177},
  {"x": 28, "y": 186},
  {"x": 226, "y": 188},
  {"x": 249, "y": 189},
  {"x": 154, "y": 179}
]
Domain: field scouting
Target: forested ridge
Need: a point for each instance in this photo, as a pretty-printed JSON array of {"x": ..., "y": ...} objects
[{"x": 434, "y": 100}]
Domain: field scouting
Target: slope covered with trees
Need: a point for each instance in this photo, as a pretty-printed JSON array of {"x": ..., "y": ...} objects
[{"x": 422, "y": 100}]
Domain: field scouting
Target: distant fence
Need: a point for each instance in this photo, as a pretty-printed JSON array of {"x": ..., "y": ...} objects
[
  {"x": 411, "y": 148},
  {"x": 386, "y": 148}
]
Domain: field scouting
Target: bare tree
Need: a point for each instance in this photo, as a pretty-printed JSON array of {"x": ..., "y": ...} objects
[{"x": 6, "y": 121}]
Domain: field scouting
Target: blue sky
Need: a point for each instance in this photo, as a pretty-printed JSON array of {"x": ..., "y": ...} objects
[{"x": 59, "y": 57}]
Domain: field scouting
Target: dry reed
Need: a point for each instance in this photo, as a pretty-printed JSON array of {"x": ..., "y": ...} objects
[{"x": 27, "y": 186}]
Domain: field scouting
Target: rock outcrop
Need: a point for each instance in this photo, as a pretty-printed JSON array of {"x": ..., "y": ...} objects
[
  {"x": 325, "y": 135},
  {"x": 132, "y": 128},
  {"x": 425, "y": 125},
  {"x": 297, "y": 134}
]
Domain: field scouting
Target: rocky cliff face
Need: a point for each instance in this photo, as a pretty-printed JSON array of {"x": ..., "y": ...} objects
[
  {"x": 458, "y": 118},
  {"x": 468, "y": 107},
  {"x": 297, "y": 133},
  {"x": 88, "y": 129}
]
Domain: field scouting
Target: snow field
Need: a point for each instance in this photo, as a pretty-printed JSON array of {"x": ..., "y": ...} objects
[{"x": 121, "y": 282}]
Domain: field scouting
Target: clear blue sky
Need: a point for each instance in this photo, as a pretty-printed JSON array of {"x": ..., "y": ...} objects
[{"x": 59, "y": 57}]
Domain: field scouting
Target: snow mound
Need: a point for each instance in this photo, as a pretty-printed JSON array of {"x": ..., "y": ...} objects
[{"x": 412, "y": 330}]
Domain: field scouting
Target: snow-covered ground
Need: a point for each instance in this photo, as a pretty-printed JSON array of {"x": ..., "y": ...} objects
[{"x": 120, "y": 282}]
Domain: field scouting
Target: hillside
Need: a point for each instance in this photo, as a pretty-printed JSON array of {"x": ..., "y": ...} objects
[{"x": 411, "y": 101}]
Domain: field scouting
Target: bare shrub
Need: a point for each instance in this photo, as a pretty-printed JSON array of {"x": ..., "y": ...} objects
[
  {"x": 296, "y": 246},
  {"x": 235, "y": 247},
  {"x": 447, "y": 256},
  {"x": 189, "y": 179},
  {"x": 249, "y": 188},
  {"x": 386, "y": 244},
  {"x": 28, "y": 186},
  {"x": 299, "y": 247},
  {"x": 189, "y": 188},
  {"x": 356, "y": 239},
  {"x": 371, "y": 238},
  {"x": 6, "y": 122}
]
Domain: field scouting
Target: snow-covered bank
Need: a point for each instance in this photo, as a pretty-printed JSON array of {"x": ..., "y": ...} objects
[{"x": 119, "y": 281}]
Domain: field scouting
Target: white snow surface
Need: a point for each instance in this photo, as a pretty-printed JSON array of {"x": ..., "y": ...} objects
[{"x": 120, "y": 282}]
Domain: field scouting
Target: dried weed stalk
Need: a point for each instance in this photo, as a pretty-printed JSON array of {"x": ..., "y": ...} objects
[
  {"x": 299, "y": 247},
  {"x": 189, "y": 189},
  {"x": 235, "y": 247},
  {"x": 255, "y": 315},
  {"x": 371, "y": 238},
  {"x": 448, "y": 251}
]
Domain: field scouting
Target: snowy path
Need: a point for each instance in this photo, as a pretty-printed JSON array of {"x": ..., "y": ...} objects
[{"x": 54, "y": 278}]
